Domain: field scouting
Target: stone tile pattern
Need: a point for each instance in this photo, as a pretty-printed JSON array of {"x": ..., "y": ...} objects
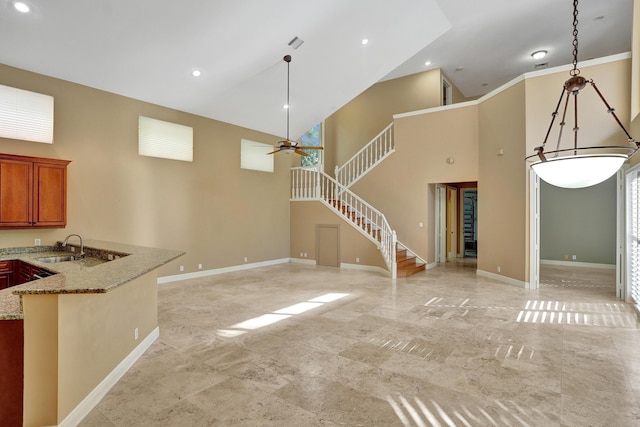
[{"x": 442, "y": 348}]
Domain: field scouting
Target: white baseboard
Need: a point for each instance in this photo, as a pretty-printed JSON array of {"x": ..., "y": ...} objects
[
  {"x": 504, "y": 279},
  {"x": 432, "y": 265},
  {"x": 372, "y": 268},
  {"x": 88, "y": 403},
  {"x": 304, "y": 261},
  {"x": 204, "y": 273},
  {"x": 578, "y": 264}
]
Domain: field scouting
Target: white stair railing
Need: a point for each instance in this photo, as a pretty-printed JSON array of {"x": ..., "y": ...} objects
[
  {"x": 312, "y": 184},
  {"x": 368, "y": 157}
]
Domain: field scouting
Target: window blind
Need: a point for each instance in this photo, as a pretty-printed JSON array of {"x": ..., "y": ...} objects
[
  {"x": 254, "y": 155},
  {"x": 157, "y": 138},
  {"x": 633, "y": 235},
  {"x": 26, "y": 115}
]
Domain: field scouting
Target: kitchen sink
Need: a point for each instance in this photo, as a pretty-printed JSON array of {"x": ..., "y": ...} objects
[{"x": 60, "y": 258}]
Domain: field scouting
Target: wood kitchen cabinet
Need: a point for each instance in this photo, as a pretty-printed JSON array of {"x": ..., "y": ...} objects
[
  {"x": 6, "y": 274},
  {"x": 33, "y": 192}
]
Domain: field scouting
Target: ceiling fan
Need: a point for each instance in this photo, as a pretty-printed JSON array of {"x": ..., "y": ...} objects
[{"x": 287, "y": 145}]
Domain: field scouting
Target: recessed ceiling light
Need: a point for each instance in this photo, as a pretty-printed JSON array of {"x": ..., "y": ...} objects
[
  {"x": 21, "y": 7},
  {"x": 427, "y": 63},
  {"x": 196, "y": 73},
  {"x": 539, "y": 54},
  {"x": 364, "y": 41}
]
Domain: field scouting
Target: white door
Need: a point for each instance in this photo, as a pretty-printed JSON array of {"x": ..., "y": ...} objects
[
  {"x": 452, "y": 223},
  {"x": 441, "y": 223}
]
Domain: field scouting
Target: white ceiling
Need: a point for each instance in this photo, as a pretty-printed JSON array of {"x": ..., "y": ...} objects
[{"x": 146, "y": 49}]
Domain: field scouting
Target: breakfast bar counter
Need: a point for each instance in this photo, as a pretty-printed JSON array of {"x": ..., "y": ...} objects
[
  {"x": 70, "y": 328},
  {"x": 96, "y": 273}
]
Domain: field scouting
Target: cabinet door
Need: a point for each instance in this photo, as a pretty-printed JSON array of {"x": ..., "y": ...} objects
[
  {"x": 15, "y": 193},
  {"x": 49, "y": 195},
  {"x": 21, "y": 272},
  {"x": 6, "y": 280},
  {"x": 6, "y": 274}
]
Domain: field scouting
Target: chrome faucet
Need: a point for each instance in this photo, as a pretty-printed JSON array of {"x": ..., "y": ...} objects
[{"x": 81, "y": 254}]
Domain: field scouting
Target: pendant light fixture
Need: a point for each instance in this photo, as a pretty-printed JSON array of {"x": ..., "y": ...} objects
[
  {"x": 288, "y": 146},
  {"x": 579, "y": 167}
]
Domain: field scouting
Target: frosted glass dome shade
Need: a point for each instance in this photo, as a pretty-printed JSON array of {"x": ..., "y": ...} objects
[{"x": 579, "y": 171}]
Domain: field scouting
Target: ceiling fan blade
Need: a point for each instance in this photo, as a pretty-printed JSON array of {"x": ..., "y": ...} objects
[
  {"x": 275, "y": 151},
  {"x": 299, "y": 151},
  {"x": 309, "y": 147}
]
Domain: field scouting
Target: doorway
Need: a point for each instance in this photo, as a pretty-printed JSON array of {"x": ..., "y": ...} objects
[
  {"x": 456, "y": 221},
  {"x": 577, "y": 234}
]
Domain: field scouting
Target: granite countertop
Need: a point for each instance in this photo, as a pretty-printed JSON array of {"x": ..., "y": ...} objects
[{"x": 90, "y": 275}]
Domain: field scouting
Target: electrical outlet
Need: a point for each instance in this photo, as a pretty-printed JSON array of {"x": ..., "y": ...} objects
[
  {"x": 182, "y": 268},
  {"x": 36, "y": 242},
  {"x": 357, "y": 259},
  {"x": 305, "y": 254},
  {"x": 73, "y": 249},
  {"x": 301, "y": 254},
  {"x": 499, "y": 269},
  {"x": 199, "y": 266},
  {"x": 110, "y": 257},
  {"x": 135, "y": 334},
  {"x": 573, "y": 257},
  {"x": 245, "y": 259}
]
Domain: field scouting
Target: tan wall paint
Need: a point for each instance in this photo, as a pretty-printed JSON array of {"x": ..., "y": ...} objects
[
  {"x": 89, "y": 335},
  {"x": 305, "y": 216},
  {"x": 596, "y": 126},
  {"x": 355, "y": 124},
  {"x": 40, "y": 360},
  {"x": 212, "y": 209},
  {"x": 502, "y": 183},
  {"x": 635, "y": 60},
  {"x": 399, "y": 186},
  {"x": 634, "y": 128}
]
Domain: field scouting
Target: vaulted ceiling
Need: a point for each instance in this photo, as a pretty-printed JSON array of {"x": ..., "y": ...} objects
[{"x": 147, "y": 49}]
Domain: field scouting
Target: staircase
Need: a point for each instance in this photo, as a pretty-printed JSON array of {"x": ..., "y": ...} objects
[
  {"x": 309, "y": 183},
  {"x": 313, "y": 184},
  {"x": 407, "y": 262},
  {"x": 378, "y": 149}
]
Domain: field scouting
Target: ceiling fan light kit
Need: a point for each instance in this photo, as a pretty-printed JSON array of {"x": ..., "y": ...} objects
[
  {"x": 579, "y": 167},
  {"x": 288, "y": 146}
]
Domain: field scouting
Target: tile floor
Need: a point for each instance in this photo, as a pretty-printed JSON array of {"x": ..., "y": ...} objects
[{"x": 300, "y": 345}]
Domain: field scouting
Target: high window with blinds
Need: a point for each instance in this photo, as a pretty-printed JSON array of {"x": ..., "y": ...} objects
[
  {"x": 157, "y": 138},
  {"x": 26, "y": 115}
]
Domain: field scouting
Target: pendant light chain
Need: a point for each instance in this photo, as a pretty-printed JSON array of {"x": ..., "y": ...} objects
[{"x": 575, "y": 70}]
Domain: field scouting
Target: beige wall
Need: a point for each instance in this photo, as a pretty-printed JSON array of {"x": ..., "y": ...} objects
[
  {"x": 212, "y": 209},
  {"x": 306, "y": 216},
  {"x": 89, "y": 335},
  {"x": 355, "y": 124},
  {"x": 502, "y": 183}
]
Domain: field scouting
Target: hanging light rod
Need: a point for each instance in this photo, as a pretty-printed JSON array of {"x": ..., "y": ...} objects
[
  {"x": 579, "y": 167},
  {"x": 288, "y": 146}
]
